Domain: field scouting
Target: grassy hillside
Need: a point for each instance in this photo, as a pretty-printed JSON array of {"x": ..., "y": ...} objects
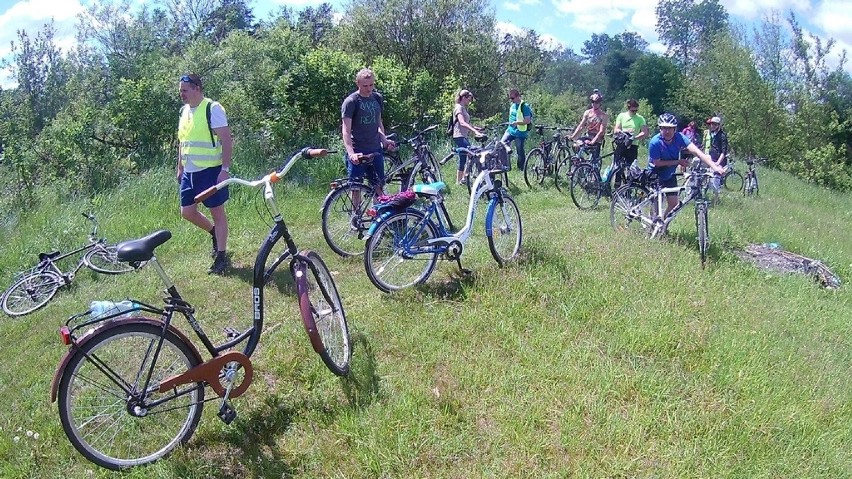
[{"x": 596, "y": 355}]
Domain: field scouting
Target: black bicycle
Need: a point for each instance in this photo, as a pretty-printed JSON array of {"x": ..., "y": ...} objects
[
  {"x": 35, "y": 287},
  {"x": 131, "y": 387},
  {"x": 544, "y": 160}
]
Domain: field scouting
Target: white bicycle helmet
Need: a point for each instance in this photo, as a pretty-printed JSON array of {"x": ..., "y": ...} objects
[{"x": 667, "y": 119}]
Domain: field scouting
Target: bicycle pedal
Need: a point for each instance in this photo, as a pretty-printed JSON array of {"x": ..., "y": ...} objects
[
  {"x": 231, "y": 333},
  {"x": 226, "y": 413}
]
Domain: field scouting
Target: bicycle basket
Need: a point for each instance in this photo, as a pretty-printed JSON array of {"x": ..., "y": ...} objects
[
  {"x": 497, "y": 159},
  {"x": 397, "y": 202}
]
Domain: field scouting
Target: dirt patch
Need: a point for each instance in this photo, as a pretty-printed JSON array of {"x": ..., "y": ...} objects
[{"x": 772, "y": 257}]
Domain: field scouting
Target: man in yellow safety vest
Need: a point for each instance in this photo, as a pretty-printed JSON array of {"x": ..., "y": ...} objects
[{"x": 204, "y": 159}]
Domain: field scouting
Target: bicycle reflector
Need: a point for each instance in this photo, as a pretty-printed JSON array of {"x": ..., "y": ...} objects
[
  {"x": 65, "y": 335},
  {"x": 372, "y": 213},
  {"x": 332, "y": 185}
]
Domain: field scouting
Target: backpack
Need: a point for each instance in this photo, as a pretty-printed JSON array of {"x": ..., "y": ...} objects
[
  {"x": 451, "y": 123},
  {"x": 520, "y": 115}
]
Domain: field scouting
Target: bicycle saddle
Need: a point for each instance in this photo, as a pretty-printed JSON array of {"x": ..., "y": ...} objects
[
  {"x": 142, "y": 249},
  {"x": 431, "y": 189},
  {"x": 51, "y": 255}
]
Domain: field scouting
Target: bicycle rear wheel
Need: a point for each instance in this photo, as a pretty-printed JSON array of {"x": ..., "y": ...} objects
[
  {"x": 565, "y": 169},
  {"x": 106, "y": 417},
  {"x": 629, "y": 205},
  {"x": 586, "y": 186},
  {"x": 391, "y": 260},
  {"x": 503, "y": 229},
  {"x": 535, "y": 169},
  {"x": 104, "y": 259},
  {"x": 733, "y": 181},
  {"x": 703, "y": 234},
  {"x": 31, "y": 293},
  {"x": 345, "y": 221},
  {"x": 322, "y": 312}
]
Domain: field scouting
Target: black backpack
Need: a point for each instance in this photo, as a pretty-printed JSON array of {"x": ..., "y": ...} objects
[{"x": 451, "y": 123}]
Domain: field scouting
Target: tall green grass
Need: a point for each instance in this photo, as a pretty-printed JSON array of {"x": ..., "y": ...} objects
[{"x": 595, "y": 355}]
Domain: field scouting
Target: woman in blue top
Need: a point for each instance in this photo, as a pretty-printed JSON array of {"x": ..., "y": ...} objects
[{"x": 664, "y": 156}]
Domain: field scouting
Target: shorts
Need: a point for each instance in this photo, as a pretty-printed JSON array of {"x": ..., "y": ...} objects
[
  {"x": 192, "y": 184},
  {"x": 374, "y": 171},
  {"x": 670, "y": 183}
]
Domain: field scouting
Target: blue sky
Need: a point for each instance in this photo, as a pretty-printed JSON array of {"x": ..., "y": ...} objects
[{"x": 564, "y": 22}]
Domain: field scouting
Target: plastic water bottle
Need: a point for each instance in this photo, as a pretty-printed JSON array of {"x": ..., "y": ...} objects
[{"x": 104, "y": 308}]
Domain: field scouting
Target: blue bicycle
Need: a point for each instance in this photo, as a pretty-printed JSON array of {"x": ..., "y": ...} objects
[{"x": 404, "y": 242}]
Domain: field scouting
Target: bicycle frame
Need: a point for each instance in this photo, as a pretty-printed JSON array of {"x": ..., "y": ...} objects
[{"x": 658, "y": 224}]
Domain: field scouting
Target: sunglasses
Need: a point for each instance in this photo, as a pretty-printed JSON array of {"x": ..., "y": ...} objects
[{"x": 188, "y": 79}]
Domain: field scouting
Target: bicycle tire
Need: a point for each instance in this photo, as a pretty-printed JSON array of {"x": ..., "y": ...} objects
[
  {"x": 344, "y": 225},
  {"x": 586, "y": 186},
  {"x": 623, "y": 212},
  {"x": 756, "y": 189},
  {"x": 701, "y": 228},
  {"x": 104, "y": 259},
  {"x": 505, "y": 235},
  {"x": 85, "y": 389},
  {"x": 385, "y": 258},
  {"x": 565, "y": 171},
  {"x": 31, "y": 292},
  {"x": 424, "y": 174},
  {"x": 322, "y": 313},
  {"x": 733, "y": 181},
  {"x": 391, "y": 163},
  {"x": 535, "y": 168},
  {"x": 561, "y": 155}
]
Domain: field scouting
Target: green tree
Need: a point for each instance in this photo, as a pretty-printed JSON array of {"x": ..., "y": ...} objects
[
  {"x": 687, "y": 27},
  {"x": 653, "y": 77}
]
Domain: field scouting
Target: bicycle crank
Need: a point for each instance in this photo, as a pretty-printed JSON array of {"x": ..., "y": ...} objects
[{"x": 209, "y": 372}]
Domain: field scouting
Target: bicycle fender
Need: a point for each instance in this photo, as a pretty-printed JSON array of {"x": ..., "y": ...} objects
[
  {"x": 489, "y": 215},
  {"x": 63, "y": 363},
  {"x": 381, "y": 219}
]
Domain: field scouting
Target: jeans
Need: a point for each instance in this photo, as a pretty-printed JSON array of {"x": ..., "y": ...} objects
[
  {"x": 463, "y": 143},
  {"x": 522, "y": 157}
]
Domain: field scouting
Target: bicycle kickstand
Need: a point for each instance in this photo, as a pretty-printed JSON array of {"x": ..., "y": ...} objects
[{"x": 462, "y": 270}]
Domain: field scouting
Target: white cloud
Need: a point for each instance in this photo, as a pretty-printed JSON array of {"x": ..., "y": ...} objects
[
  {"x": 753, "y": 9},
  {"x": 512, "y": 6},
  {"x": 834, "y": 17},
  {"x": 508, "y": 28},
  {"x": 31, "y": 16}
]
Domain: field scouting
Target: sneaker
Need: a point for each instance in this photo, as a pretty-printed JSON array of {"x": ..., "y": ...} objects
[{"x": 221, "y": 262}]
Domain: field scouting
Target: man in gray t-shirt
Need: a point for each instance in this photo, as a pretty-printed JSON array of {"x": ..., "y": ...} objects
[{"x": 363, "y": 131}]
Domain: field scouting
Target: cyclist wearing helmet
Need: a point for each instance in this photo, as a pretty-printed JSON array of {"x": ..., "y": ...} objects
[
  {"x": 664, "y": 155},
  {"x": 595, "y": 121}
]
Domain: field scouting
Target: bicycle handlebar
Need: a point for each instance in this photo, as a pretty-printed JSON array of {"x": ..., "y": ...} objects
[{"x": 272, "y": 177}]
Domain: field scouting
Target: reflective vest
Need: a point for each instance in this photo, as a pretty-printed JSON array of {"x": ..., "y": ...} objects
[
  {"x": 519, "y": 116},
  {"x": 198, "y": 143}
]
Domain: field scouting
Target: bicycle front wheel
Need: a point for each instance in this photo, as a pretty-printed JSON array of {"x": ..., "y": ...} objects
[
  {"x": 322, "y": 313},
  {"x": 503, "y": 228},
  {"x": 733, "y": 181},
  {"x": 104, "y": 259},
  {"x": 630, "y": 204},
  {"x": 586, "y": 186},
  {"x": 31, "y": 293},
  {"x": 105, "y": 415},
  {"x": 392, "y": 261},
  {"x": 703, "y": 234},
  {"x": 424, "y": 171},
  {"x": 344, "y": 218}
]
